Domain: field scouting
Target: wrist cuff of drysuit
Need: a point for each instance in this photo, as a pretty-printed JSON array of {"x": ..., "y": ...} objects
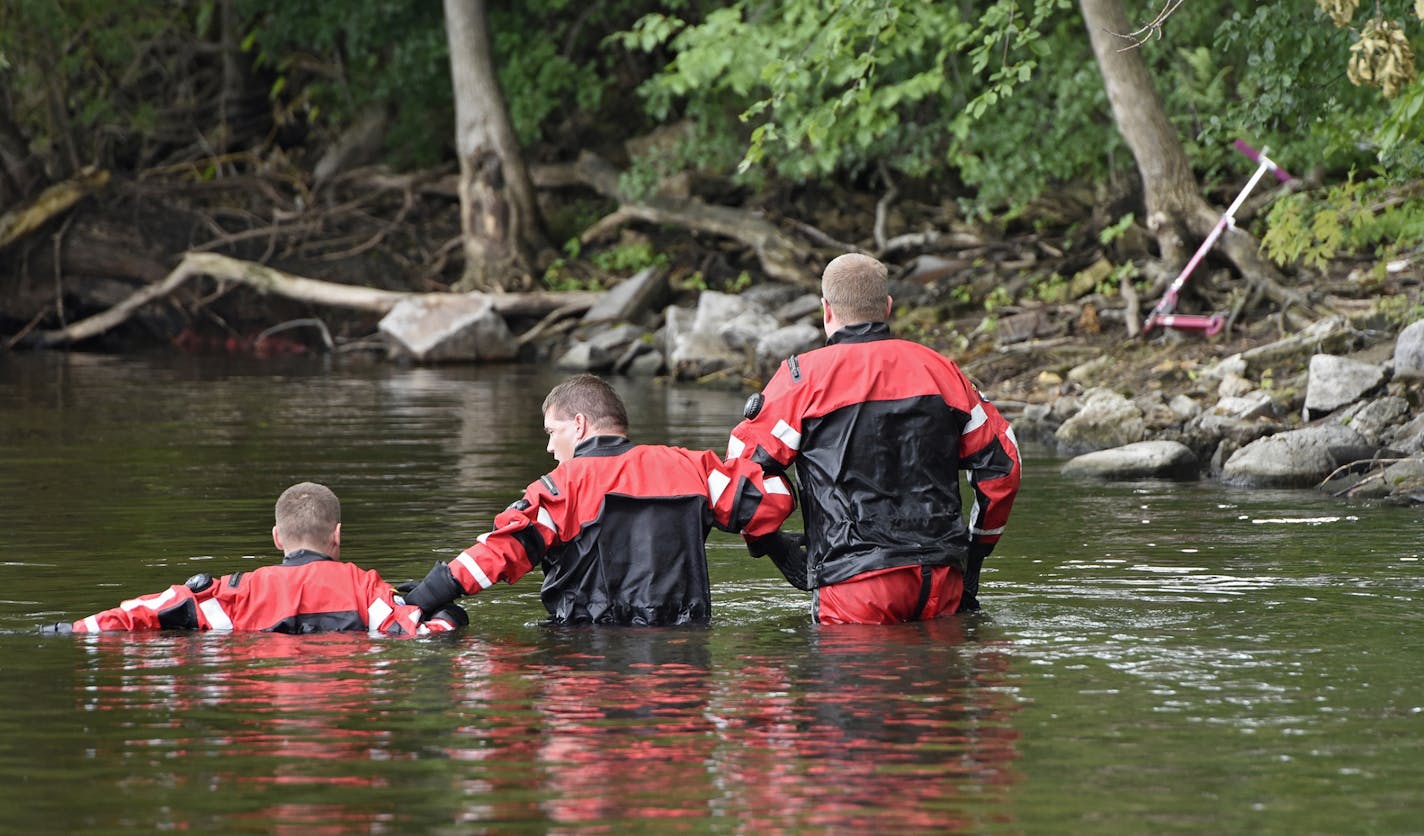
[{"x": 438, "y": 589}]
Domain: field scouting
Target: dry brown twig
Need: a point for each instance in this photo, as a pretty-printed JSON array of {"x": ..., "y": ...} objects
[{"x": 1152, "y": 29}]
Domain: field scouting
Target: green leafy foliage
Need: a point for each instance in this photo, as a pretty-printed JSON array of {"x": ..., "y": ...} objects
[
  {"x": 340, "y": 58},
  {"x": 1004, "y": 97},
  {"x": 1399, "y": 310},
  {"x": 991, "y": 103},
  {"x": 628, "y": 257},
  {"x": 1353, "y": 216},
  {"x": 73, "y": 74},
  {"x": 1116, "y": 230}
]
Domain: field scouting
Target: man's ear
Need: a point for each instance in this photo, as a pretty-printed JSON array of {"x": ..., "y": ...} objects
[
  {"x": 336, "y": 535},
  {"x": 580, "y": 426},
  {"x": 889, "y": 303},
  {"x": 277, "y": 540}
]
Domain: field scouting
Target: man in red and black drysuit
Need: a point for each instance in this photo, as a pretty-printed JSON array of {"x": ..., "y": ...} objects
[
  {"x": 310, "y": 591},
  {"x": 619, "y": 529},
  {"x": 878, "y": 429}
]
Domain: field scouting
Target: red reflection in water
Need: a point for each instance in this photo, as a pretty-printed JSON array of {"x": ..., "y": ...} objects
[
  {"x": 824, "y": 729},
  {"x": 870, "y": 728},
  {"x": 876, "y": 728},
  {"x": 259, "y": 710},
  {"x": 600, "y": 724}
]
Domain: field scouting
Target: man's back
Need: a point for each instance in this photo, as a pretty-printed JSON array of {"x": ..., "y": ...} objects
[
  {"x": 642, "y": 515},
  {"x": 878, "y": 429},
  {"x": 306, "y": 593}
]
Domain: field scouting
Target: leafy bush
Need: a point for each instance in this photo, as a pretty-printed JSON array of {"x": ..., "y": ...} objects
[{"x": 1353, "y": 216}]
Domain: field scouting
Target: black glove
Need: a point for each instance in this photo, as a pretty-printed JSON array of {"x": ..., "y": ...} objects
[
  {"x": 404, "y": 587},
  {"x": 435, "y": 592},
  {"x": 62, "y": 628},
  {"x": 455, "y": 614},
  {"x": 974, "y": 561},
  {"x": 787, "y": 553}
]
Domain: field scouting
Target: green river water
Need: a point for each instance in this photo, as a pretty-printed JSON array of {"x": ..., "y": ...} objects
[{"x": 1153, "y": 657}]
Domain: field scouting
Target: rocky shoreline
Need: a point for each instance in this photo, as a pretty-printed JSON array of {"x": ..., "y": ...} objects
[{"x": 1332, "y": 407}]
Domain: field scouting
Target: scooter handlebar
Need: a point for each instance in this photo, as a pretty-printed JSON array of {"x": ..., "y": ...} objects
[{"x": 1255, "y": 156}]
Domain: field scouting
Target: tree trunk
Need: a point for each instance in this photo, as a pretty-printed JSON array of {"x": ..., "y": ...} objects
[
  {"x": 1175, "y": 207},
  {"x": 1169, "y": 187},
  {"x": 499, "y": 214},
  {"x": 243, "y": 112}
]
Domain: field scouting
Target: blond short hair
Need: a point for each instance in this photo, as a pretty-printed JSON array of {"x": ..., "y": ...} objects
[
  {"x": 307, "y": 513},
  {"x": 591, "y": 396},
  {"x": 857, "y": 287}
]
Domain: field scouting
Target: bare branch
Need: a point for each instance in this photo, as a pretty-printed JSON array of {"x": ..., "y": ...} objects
[{"x": 1152, "y": 29}]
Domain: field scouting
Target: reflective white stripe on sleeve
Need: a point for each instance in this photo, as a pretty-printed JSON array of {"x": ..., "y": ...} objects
[
  {"x": 152, "y": 603},
  {"x": 547, "y": 520},
  {"x": 776, "y": 484},
  {"x": 788, "y": 436},
  {"x": 717, "y": 482},
  {"x": 91, "y": 624},
  {"x": 482, "y": 538},
  {"x": 977, "y": 417},
  {"x": 735, "y": 446},
  {"x": 377, "y": 613},
  {"x": 217, "y": 616},
  {"x": 474, "y": 569}
]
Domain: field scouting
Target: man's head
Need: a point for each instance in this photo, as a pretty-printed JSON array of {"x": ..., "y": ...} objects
[
  {"x": 308, "y": 517},
  {"x": 581, "y": 407},
  {"x": 855, "y": 288}
]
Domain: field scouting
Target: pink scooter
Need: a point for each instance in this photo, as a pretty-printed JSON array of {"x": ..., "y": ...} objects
[{"x": 1210, "y": 325}]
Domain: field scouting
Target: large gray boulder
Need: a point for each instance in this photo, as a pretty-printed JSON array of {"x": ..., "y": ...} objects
[
  {"x": 454, "y": 327},
  {"x": 694, "y": 341},
  {"x": 601, "y": 351},
  {"x": 1292, "y": 459},
  {"x": 1338, "y": 381},
  {"x": 1405, "y": 477},
  {"x": 1408, "y": 438},
  {"x": 1409, "y": 351},
  {"x": 743, "y": 331},
  {"x": 802, "y": 307},
  {"x": 776, "y": 346},
  {"x": 630, "y": 299},
  {"x": 1139, "y": 460},
  {"x": 1376, "y": 419},
  {"x": 1105, "y": 420}
]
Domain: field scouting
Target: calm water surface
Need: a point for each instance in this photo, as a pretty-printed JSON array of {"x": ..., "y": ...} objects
[{"x": 1153, "y": 657}]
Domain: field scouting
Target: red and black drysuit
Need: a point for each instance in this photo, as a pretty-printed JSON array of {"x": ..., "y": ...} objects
[
  {"x": 308, "y": 592},
  {"x": 878, "y": 429},
  {"x": 620, "y": 531}
]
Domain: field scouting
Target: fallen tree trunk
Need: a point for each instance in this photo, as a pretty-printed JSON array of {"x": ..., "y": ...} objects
[{"x": 265, "y": 279}]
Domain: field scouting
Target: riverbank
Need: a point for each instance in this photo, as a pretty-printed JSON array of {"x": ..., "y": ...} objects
[
  {"x": 1047, "y": 321},
  {"x": 1328, "y": 406}
]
